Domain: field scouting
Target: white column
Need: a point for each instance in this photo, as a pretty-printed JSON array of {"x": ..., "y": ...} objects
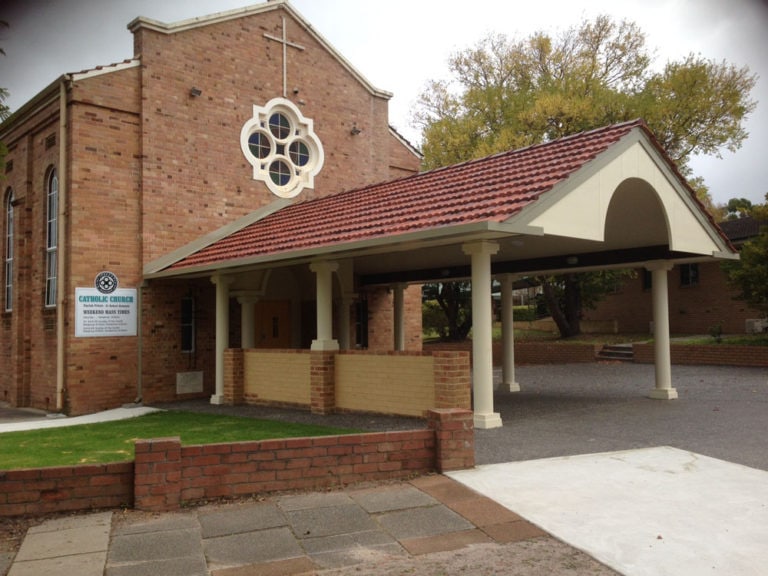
[
  {"x": 247, "y": 321},
  {"x": 398, "y": 307},
  {"x": 508, "y": 334},
  {"x": 662, "y": 357},
  {"x": 222, "y": 332},
  {"x": 482, "y": 333},
  {"x": 324, "y": 276}
]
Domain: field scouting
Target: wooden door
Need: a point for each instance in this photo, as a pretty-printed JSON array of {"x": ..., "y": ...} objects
[{"x": 273, "y": 324}]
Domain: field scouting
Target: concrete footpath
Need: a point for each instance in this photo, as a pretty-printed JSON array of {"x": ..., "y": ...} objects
[{"x": 429, "y": 524}]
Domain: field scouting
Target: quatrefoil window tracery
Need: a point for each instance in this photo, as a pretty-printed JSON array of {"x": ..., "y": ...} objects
[{"x": 282, "y": 147}]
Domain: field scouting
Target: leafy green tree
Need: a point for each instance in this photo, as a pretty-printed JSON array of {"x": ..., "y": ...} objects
[
  {"x": 738, "y": 208},
  {"x": 455, "y": 301},
  {"x": 568, "y": 295},
  {"x": 511, "y": 93},
  {"x": 749, "y": 275}
]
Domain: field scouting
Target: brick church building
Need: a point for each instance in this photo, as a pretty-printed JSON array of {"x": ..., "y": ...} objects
[
  {"x": 111, "y": 169},
  {"x": 228, "y": 215}
]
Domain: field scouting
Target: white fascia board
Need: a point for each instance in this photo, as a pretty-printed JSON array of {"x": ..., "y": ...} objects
[
  {"x": 539, "y": 213},
  {"x": 578, "y": 206},
  {"x": 160, "y": 264},
  {"x": 163, "y": 28},
  {"x": 423, "y": 238},
  {"x": 720, "y": 255},
  {"x": 690, "y": 207}
]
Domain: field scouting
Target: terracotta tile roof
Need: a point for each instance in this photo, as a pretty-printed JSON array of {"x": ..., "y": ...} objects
[{"x": 490, "y": 189}]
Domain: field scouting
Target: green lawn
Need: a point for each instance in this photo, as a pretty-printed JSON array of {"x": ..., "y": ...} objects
[{"x": 113, "y": 441}]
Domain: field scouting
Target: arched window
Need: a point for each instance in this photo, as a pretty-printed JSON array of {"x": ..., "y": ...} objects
[
  {"x": 8, "y": 252},
  {"x": 52, "y": 234}
]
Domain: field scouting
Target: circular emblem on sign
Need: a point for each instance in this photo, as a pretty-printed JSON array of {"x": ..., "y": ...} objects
[{"x": 106, "y": 282}]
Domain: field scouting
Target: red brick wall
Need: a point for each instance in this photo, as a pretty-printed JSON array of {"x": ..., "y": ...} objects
[
  {"x": 194, "y": 166},
  {"x": 530, "y": 352},
  {"x": 38, "y": 491},
  {"x": 28, "y": 333},
  {"x": 453, "y": 385},
  {"x": 217, "y": 471},
  {"x": 568, "y": 353},
  {"x": 455, "y": 435},
  {"x": 166, "y": 475},
  {"x": 719, "y": 355},
  {"x": 161, "y": 329},
  {"x": 381, "y": 323},
  {"x": 402, "y": 161},
  {"x": 692, "y": 309},
  {"x": 103, "y": 228}
]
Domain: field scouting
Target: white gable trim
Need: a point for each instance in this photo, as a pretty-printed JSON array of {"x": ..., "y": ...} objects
[{"x": 578, "y": 206}]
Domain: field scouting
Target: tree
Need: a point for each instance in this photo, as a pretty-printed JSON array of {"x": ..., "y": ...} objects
[
  {"x": 511, "y": 93},
  {"x": 738, "y": 208},
  {"x": 749, "y": 275},
  {"x": 455, "y": 302},
  {"x": 4, "y": 110},
  {"x": 568, "y": 295}
]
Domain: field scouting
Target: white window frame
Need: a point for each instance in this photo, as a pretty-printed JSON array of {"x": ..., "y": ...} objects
[
  {"x": 8, "y": 252},
  {"x": 51, "y": 237},
  {"x": 278, "y": 154}
]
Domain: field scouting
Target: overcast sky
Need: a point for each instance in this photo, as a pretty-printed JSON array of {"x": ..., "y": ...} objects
[{"x": 400, "y": 44}]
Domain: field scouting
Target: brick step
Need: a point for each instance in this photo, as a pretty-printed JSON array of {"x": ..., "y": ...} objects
[{"x": 619, "y": 352}]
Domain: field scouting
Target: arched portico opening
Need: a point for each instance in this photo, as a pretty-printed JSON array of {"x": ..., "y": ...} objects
[{"x": 635, "y": 216}]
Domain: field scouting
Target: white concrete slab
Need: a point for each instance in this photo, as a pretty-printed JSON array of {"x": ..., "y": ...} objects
[
  {"x": 655, "y": 511},
  {"x": 106, "y": 416}
]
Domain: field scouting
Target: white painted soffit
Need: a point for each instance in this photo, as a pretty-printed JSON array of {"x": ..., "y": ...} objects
[
  {"x": 191, "y": 23},
  {"x": 578, "y": 206},
  {"x": 152, "y": 268}
]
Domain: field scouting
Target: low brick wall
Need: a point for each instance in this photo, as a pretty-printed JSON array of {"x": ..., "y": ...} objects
[
  {"x": 571, "y": 352},
  {"x": 552, "y": 353},
  {"x": 529, "y": 352},
  {"x": 39, "y": 491},
  {"x": 407, "y": 383},
  {"x": 166, "y": 475},
  {"x": 718, "y": 355}
]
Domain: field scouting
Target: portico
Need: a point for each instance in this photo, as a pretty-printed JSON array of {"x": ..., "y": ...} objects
[{"x": 609, "y": 198}]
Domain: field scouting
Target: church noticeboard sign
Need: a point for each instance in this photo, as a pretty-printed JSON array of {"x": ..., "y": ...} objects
[{"x": 105, "y": 309}]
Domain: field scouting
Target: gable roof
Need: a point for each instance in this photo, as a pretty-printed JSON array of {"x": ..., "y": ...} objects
[{"x": 483, "y": 194}]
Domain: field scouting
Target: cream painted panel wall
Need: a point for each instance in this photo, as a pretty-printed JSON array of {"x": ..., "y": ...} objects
[
  {"x": 387, "y": 383},
  {"x": 277, "y": 376},
  {"x": 581, "y": 212}
]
